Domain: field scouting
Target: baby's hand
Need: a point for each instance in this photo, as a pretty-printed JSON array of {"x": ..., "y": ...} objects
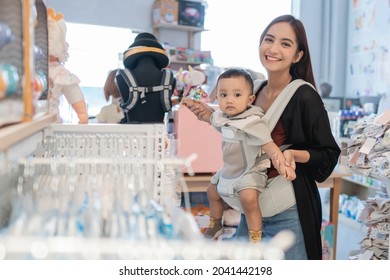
[{"x": 188, "y": 102}]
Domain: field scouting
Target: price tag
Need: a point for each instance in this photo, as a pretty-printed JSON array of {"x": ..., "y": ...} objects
[
  {"x": 354, "y": 156},
  {"x": 383, "y": 118},
  {"x": 367, "y": 146}
]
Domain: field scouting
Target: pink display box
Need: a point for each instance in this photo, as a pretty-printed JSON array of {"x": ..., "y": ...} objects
[{"x": 194, "y": 136}]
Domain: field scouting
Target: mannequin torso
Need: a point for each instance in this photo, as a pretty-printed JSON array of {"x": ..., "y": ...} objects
[{"x": 147, "y": 74}]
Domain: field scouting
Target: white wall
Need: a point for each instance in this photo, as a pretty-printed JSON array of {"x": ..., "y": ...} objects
[
  {"x": 326, "y": 23},
  {"x": 134, "y": 14}
]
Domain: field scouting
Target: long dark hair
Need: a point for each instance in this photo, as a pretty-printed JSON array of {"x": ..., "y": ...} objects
[{"x": 303, "y": 68}]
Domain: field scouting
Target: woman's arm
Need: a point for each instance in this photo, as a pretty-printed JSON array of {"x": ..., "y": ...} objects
[
  {"x": 307, "y": 125},
  {"x": 287, "y": 170},
  {"x": 301, "y": 156},
  {"x": 200, "y": 109}
]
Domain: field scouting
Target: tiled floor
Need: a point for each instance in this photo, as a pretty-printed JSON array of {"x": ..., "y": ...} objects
[{"x": 349, "y": 236}]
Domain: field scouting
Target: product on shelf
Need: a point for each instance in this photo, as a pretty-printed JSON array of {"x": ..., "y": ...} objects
[
  {"x": 369, "y": 147},
  {"x": 191, "y": 13},
  {"x": 165, "y": 11},
  {"x": 5, "y": 34},
  {"x": 9, "y": 80}
]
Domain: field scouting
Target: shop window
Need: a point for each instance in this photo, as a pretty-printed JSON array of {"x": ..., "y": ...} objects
[{"x": 93, "y": 51}]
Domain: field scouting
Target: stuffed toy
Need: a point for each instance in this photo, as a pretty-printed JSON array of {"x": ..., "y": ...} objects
[
  {"x": 111, "y": 113},
  {"x": 188, "y": 84},
  {"x": 145, "y": 84},
  {"x": 61, "y": 80}
]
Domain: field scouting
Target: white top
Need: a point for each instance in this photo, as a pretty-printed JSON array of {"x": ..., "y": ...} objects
[{"x": 110, "y": 114}]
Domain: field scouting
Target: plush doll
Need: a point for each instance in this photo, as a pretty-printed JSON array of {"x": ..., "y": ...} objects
[
  {"x": 145, "y": 85},
  {"x": 188, "y": 84},
  {"x": 111, "y": 113},
  {"x": 61, "y": 80}
]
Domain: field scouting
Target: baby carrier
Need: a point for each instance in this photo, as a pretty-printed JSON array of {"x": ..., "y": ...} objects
[
  {"x": 155, "y": 99},
  {"x": 272, "y": 116}
]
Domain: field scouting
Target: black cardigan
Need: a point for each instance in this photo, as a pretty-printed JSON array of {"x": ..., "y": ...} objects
[{"x": 307, "y": 127}]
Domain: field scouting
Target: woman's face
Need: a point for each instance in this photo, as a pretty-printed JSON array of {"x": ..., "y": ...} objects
[{"x": 279, "y": 48}]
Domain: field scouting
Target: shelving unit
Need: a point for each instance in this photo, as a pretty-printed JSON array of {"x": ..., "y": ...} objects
[
  {"x": 350, "y": 179},
  {"x": 190, "y": 30},
  {"x": 12, "y": 134}
]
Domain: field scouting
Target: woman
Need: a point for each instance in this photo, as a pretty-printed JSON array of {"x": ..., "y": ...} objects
[{"x": 304, "y": 124}]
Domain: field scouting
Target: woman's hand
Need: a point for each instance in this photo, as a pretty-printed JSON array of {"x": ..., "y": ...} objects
[
  {"x": 285, "y": 167},
  {"x": 200, "y": 109},
  {"x": 289, "y": 159}
]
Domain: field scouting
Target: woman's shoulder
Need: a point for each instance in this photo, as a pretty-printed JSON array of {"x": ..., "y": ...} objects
[{"x": 307, "y": 93}]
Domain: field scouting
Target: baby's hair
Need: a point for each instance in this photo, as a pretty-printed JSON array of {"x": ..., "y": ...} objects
[
  {"x": 236, "y": 73},
  {"x": 110, "y": 86}
]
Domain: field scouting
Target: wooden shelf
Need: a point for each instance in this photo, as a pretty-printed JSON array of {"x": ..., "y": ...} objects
[
  {"x": 12, "y": 134},
  {"x": 198, "y": 182}
]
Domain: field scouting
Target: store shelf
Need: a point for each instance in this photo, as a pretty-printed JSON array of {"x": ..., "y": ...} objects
[
  {"x": 191, "y": 30},
  {"x": 187, "y": 28},
  {"x": 350, "y": 179},
  {"x": 186, "y": 62},
  {"x": 198, "y": 182},
  {"x": 350, "y": 223},
  {"x": 12, "y": 134}
]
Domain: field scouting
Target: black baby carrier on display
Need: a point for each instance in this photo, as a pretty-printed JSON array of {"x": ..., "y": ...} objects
[
  {"x": 147, "y": 103},
  {"x": 145, "y": 85}
]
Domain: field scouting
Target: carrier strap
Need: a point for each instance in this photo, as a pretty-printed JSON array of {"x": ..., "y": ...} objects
[{"x": 137, "y": 93}]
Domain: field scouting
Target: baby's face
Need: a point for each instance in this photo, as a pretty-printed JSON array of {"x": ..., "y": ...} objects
[{"x": 234, "y": 95}]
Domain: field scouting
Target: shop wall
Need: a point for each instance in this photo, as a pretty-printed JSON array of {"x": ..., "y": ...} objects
[
  {"x": 326, "y": 24},
  {"x": 134, "y": 14},
  {"x": 368, "y": 68}
]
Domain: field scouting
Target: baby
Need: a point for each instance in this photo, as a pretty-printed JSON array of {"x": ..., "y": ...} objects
[{"x": 245, "y": 137}]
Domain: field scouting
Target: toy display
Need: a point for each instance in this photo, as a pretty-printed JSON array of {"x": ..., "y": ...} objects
[
  {"x": 188, "y": 84},
  {"x": 61, "y": 80},
  {"x": 145, "y": 85}
]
